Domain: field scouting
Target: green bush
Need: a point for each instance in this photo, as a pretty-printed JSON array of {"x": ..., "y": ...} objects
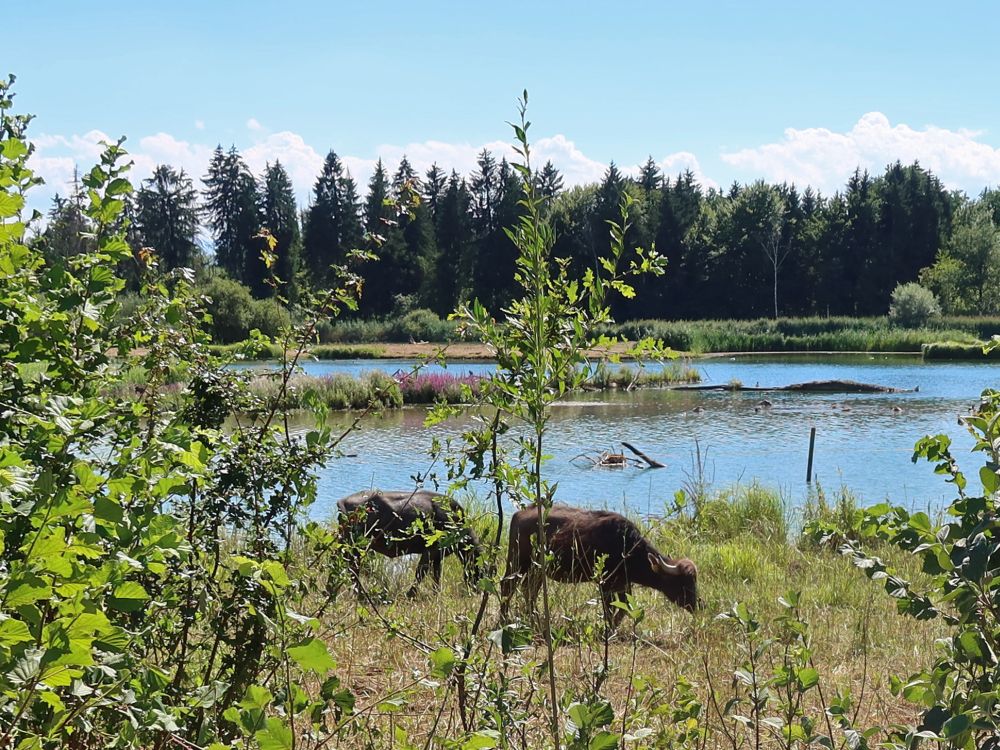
[
  {"x": 913, "y": 306},
  {"x": 269, "y": 316},
  {"x": 420, "y": 325},
  {"x": 231, "y": 307}
]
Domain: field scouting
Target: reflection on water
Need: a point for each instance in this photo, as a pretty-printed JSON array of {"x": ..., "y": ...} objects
[{"x": 864, "y": 441}]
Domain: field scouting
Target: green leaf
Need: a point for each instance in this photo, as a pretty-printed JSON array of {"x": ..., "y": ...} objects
[
  {"x": 955, "y": 726},
  {"x": 13, "y": 631},
  {"x": 276, "y": 735},
  {"x": 443, "y": 662},
  {"x": 31, "y": 590},
  {"x": 481, "y": 740},
  {"x": 312, "y": 656},
  {"x": 604, "y": 741},
  {"x": 990, "y": 479},
  {"x": 128, "y": 597},
  {"x": 808, "y": 677}
]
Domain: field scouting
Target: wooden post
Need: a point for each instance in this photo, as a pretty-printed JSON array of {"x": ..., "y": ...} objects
[{"x": 812, "y": 444}]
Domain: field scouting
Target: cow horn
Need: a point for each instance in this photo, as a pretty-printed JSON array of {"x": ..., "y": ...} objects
[{"x": 669, "y": 566}]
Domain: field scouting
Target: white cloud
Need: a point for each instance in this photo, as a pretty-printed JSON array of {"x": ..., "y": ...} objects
[
  {"x": 253, "y": 124},
  {"x": 825, "y": 158},
  {"x": 199, "y": 124},
  {"x": 302, "y": 162}
]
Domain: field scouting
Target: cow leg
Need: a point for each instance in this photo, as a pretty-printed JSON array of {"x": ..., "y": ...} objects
[
  {"x": 422, "y": 567},
  {"x": 437, "y": 557}
]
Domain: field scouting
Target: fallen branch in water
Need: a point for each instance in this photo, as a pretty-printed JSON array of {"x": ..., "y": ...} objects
[{"x": 653, "y": 463}]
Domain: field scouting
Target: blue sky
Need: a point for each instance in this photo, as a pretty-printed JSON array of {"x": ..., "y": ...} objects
[{"x": 779, "y": 90}]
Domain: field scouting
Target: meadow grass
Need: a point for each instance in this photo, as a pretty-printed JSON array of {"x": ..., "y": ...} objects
[
  {"x": 959, "y": 351},
  {"x": 740, "y": 541},
  {"x": 804, "y": 334},
  {"x": 872, "y": 334}
]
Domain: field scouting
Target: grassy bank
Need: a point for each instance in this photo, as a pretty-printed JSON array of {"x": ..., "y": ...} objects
[
  {"x": 806, "y": 334},
  {"x": 958, "y": 351},
  {"x": 359, "y": 338},
  {"x": 388, "y": 391},
  {"x": 740, "y": 541}
]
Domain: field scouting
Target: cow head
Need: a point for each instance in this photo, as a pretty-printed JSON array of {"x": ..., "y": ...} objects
[{"x": 678, "y": 580}]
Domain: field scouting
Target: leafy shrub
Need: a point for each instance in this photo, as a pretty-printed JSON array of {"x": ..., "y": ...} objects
[
  {"x": 958, "y": 694},
  {"x": 913, "y": 306},
  {"x": 420, "y": 325},
  {"x": 269, "y": 316},
  {"x": 232, "y": 309},
  {"x": 149, "y": 596}
]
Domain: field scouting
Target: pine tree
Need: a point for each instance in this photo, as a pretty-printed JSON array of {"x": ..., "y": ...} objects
[
  {"x": 67, "y": 224},
  {"x": 167, "y": 217},
  {"x": 454, "y": 238},
  {"x": 280, "y": 217},
  {"x": 493, "y": 266},
  {"x": 484, "y": 189},
  {"x": 378, "y": 212},
  {"x": 230, "y": 203},
  {"x": 435, "y": 183},
  {"x": 548, "y": 182},
  {"x": 650, "y": 178},
  {"x": 334, "y": 224}
]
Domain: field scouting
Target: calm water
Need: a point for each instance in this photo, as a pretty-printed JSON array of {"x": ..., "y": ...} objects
[{"x": 861, "y": 441}]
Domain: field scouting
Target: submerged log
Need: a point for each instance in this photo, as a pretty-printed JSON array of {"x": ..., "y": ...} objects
[
  {"x": 813, "y": 386},
  {"x": 653, "y": 463}
]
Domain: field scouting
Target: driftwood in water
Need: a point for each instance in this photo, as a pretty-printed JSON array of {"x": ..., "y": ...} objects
[
  {"x": 653, "y": 463},
  {"x": 609, "y": 460},
  {"x": 612, "y": 460},
  {"x": 813, "y": 386}
]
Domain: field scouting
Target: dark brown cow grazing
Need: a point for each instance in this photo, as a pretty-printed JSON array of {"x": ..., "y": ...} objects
[
  {"x": 406, "y": 523},
  {"x": 579, "y": 540}
]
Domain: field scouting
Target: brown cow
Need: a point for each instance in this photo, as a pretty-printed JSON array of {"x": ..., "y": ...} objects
[
  {"x": 594, "y": 544},
  {"x": 408, "y": 523}
]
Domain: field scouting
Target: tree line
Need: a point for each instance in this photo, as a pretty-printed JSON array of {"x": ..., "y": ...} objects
[{"x": 754, "y": 250}]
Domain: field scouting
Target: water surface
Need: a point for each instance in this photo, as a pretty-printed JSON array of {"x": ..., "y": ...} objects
[{"x": 862, "y": 442}]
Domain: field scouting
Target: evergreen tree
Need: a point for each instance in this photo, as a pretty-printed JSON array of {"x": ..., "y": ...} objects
[
  {"x": 548, "y": 182},
  {"x": 454, "y": 239},
  {"x": 607, "y": 207},
  {"x": 378, "y": 212},
  {"x": 67, "y": 224},
  {"x": 230, "y": 203},
  {"x": 406, "y": 256},
  {"x": 435, "y": 184},
  {"x": 333, "y": 227},
  {"x": 167, "y": 217},
  {"x": 280, "y": 217},
  {"x": 650, "y": 178},
  {"x": 484, "y": 190},
  {"x": 493, "y": 267}
]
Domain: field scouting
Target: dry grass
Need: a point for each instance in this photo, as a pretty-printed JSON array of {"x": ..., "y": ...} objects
[{"x": 858, "y": 640}]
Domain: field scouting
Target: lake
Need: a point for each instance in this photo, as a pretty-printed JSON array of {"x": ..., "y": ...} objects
[{"x": 862, "y": 442}]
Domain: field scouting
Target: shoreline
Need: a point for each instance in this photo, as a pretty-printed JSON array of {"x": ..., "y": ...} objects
[{"x": 473, "y": 352}]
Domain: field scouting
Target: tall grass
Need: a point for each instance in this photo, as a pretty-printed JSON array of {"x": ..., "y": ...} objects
[
  {"x": 804, "y": 334},
  {"x": 955, "y": 350},
  {"x": 743, "y": 554},
  {"x": 606, "y": 377}
]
